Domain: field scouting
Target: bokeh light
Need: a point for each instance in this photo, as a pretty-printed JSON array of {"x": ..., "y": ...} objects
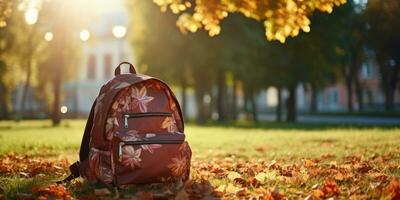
[
  {"x": 64, "y": 109},
  {"x": 84, "y": 35},
  {"x": 119, "y": 31},
  {"x": 48, "y": 36},
  {"x": 31, "y": 16}
]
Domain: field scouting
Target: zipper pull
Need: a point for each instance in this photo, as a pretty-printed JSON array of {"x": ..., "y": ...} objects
[
  {"x": 120, "y": 151},
  {"x": 126, "y": 121}
]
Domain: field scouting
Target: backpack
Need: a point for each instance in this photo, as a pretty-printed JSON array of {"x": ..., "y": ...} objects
[{"x": 134, "y": 134}]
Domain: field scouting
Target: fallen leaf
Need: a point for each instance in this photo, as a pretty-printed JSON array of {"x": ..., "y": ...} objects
[
  {"x": 182, "y": 195},
  {"x": 263, "y": 177},
  {"x": 315, "y": 186},
  {"x": 362, "y": 167},
  {"x": 102, "y": 192},
  {"x": 330, "y": 188},
  {"x": 309, "y": 163},
  {"x": 52, "y": 191},
  {"x": 233, "y": 175},
  {"x": 230, "y": 188},
  {"x": 394, "y": 189}
]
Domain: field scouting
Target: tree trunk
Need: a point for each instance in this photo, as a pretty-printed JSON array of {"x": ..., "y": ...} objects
[
  {"x": 56, "y": 115},
  {"x": 76, "y": 106},
  {"x": 25, "y": 88},
  {"x": 221, "y": 101},
  {"x": 390, "y": 87},
  {"x": 279, "y": 105},
  {"x": 359, "y": 91},
  {"x": 201, "y": 113},
  {"x": 349, "y": 89},
  {"x": 389, "y": 98},
  {"x": 57, "y": 84},
  {"x": 234, "y": 100},
  {"x": 313, "y": 102},
  {"x": 183, "y": 94},
  {"x": 3, "y": 102},
  {"x": 59, "y": 63},
  {"x": 253, "y": 105},
  {"x": 245, "y": 104},
  {"x": 291, "y": 104}
]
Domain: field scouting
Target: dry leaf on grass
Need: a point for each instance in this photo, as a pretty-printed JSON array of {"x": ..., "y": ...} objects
[
  {"x": 394, "y": 189},
  {"x": 52, "y": 191},
  {"x": 102, "y": 192}
]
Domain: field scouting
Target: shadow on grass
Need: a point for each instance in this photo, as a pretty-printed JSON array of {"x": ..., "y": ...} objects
[{"x": 291, "y": 125}]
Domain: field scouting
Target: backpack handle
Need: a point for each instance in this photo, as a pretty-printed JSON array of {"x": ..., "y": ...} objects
[{"x": 118, "y": 69}]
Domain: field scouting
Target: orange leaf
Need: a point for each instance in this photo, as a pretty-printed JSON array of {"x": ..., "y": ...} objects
[{"x": 394, "y": 188}]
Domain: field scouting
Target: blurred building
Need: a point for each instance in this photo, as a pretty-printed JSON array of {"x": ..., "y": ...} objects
[
  {"x": 102, "y": 52},
  {"x": 333, "y": 98}
]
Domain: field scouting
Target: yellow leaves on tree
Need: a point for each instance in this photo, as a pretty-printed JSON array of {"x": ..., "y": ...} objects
[{"x": 281, "y": 18}]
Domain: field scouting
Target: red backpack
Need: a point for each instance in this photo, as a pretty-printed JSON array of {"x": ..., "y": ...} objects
[{"x": 134, "y": 134}]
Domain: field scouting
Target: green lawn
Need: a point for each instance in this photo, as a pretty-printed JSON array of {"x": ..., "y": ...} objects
[{"x": 286, "y": 144}]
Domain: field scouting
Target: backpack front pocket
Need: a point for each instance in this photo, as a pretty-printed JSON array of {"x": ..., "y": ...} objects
[
  {"x": 151, "y": 158},
  {"x": 149, "y": 121}
]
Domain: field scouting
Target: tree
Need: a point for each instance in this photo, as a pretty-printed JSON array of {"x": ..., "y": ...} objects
[
  {"x": 155, "y": 37},
  {"x": 323, "y": 59},
  {"x": 164, "y": 52},
  {"x": 26, "y": 49},
  {"x": 342, "y": 39},
  {"x": 242, "y": 54},
  {"x": 253, "y": 61},
  {"x": 281, "y": 18},
  {"x": 384, "y": 17},
  {"x": 7, "y": 39},
  {"x": 16, "y": 57},
  {"x": 62, "y": 64},
  {"x": 309, "y": 58},
  {"x": 355, "y": 47}
]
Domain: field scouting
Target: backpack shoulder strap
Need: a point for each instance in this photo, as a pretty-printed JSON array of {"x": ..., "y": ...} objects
[{"x": 84, "y": 150}]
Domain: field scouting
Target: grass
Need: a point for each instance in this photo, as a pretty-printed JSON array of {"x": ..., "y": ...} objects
[
  {"x": 244, "y": 139},
  {"x": 287, "y": 143}
]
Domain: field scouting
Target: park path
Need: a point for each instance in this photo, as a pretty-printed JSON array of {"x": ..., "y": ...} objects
[{"x": 340, "y": 119}]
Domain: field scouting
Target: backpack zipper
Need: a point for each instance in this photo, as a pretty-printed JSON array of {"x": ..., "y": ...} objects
[
  {"x": 141, "y": 142},
  {"x": 148, "y": 114}
]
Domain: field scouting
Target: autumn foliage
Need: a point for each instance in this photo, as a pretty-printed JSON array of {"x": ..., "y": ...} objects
[
  {"x": 28, "y": 166},
  {"x": 349, "y": 177},
  {"x": 281, "y": 18}
]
